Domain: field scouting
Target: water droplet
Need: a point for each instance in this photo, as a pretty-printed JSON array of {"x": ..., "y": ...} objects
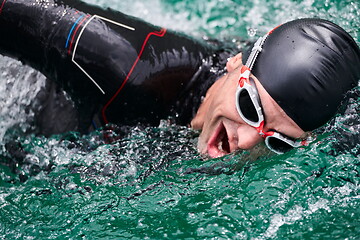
[{"x": 251, "y": 32}]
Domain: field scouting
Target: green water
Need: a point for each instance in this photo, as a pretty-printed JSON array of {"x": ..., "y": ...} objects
[{"x": 152, "y": 184}]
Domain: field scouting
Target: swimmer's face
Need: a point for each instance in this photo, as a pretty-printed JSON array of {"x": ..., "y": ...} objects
[{"x": 223, "y": 130}]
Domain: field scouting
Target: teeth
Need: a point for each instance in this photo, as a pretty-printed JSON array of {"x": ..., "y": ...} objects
[{"x": 220, "y": 146}]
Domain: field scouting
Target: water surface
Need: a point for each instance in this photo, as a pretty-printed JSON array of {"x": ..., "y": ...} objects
[{"x": 152, "y": 183}]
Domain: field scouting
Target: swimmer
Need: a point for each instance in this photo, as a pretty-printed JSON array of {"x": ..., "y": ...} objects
[
  {"x": 122, "y": 70},
  {"x": 116, "y": 68}
]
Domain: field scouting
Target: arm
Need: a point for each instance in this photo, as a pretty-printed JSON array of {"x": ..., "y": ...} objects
[{"x": 113, "y": 63}]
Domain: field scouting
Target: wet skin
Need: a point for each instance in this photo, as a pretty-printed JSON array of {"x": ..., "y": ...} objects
[{"x": 222, "y": 129}]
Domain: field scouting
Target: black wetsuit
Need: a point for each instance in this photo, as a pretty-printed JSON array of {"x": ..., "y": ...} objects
[{"x": 115, "y": 67}]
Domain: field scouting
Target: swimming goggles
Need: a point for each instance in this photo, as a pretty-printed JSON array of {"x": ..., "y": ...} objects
[{"x": 249, "y": 107}]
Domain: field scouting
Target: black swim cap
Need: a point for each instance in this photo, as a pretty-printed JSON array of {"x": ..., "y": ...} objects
[{"x": 307, "y": 66}]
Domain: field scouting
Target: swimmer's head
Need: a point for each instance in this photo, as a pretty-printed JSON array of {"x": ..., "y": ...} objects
[
  {"x": 307, "y": 66},
  {"x": 301, "y": 75}
]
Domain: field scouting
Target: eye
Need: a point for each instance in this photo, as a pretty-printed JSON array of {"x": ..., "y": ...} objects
[{"x": 271, "y": 130}]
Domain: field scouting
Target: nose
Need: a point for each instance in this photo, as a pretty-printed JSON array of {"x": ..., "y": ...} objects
[{"x": 248, "y": 137}]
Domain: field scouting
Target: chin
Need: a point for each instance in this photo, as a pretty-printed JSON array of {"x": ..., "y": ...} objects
[{"x": 202, "y": 146}]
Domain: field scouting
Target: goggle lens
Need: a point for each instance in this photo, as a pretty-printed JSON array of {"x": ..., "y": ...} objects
[
  {"x": 278, "y": 145},
  {"x": 247, "y": 107}
]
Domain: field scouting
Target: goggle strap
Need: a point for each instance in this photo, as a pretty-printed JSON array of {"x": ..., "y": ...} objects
[
  {"x": 304, "y": 143},
  {"x": 255, "y": 51},
  {"x": 260, "y": 128}
]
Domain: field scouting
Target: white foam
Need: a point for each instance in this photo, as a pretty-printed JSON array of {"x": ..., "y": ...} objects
[
  {"x": 294, "y": 214},
  {"x": 19, "y": 85}
]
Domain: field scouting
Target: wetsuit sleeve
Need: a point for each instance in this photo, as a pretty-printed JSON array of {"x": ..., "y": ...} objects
[{"x": 117, "y": 67}]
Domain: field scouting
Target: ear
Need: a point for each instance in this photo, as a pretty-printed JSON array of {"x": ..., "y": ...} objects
[{"x": 234, "y": 62}]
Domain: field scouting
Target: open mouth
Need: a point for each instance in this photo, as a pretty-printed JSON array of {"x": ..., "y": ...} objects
[{"x": 218, "y": 144}]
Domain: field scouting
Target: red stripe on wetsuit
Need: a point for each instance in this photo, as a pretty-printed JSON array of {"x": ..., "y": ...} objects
[
  {"x": 2, "y": 5},
  {"x": 160, "y": 33}
]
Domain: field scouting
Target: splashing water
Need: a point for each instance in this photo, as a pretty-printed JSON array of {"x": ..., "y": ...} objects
[
  {"x": 152, "y": 183},
  {"x": 19, "y": 87}
]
